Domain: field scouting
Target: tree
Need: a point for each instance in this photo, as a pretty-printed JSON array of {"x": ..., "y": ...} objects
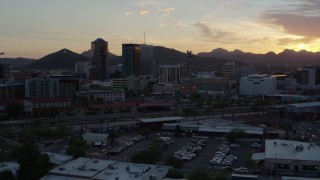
[
  {"x": 14, "y": 109},
  {"x": 174, "y": 162},
  {"x": 197, "y": 174},
  {"x": 177, "y": 131},
  {"x": 77, "y": 149},
  {"x": 112, "y": 136},
  {"x": 175, "y": 174},
  {"x": 33, "y": 164},
  {"x": 7, "y": 175},
  {"x": 235, "y": 134}
]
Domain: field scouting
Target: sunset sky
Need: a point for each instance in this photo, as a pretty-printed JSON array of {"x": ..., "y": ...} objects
[{"x": 34, "y": 28}]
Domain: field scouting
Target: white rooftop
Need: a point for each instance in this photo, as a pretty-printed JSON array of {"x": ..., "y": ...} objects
[
  {"x": 291, "y": 150},
  {"x": 100, "y": 169},
  {"x": 55, "y": 177},
  {"x": 304, "y": 105},
  {"x": 82, "y": 167},
  {"x": 216, "y": 125},
  {"x": 13, "y": 167},
  {"x": 124, "y": 171},
  {"x": 162, "y": 119},
  {"x": 58, "y": 159},
  {"x": 95, "y": 137}
]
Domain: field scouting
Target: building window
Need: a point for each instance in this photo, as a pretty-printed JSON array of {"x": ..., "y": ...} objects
[{"x": 309, "y": 168}]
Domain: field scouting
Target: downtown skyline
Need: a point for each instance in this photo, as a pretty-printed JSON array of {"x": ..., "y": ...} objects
[{"x": 34, "y": 28}]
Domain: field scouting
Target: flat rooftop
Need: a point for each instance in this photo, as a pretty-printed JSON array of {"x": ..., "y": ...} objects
[
  {"x": 291, "y": 150},
  {"x": 58, "y": 159},
  {"x": 123, "y": 171},
  {"x": 100, "y": 169},
  {"x": 162, "y": 119},
  {"x": 82, "y": 167},
  {"x": 216, "y": 125},
  {"x": 304, "y": 105}
]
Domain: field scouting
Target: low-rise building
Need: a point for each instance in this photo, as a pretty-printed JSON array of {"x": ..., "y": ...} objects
[
  {"x": 135, "y": 84},
  {"x": 12, "y": 90},
  {"x": 101, "y": 169},
  {"x": 291, "y": 157},
  {"x": 115, "y": 95}
]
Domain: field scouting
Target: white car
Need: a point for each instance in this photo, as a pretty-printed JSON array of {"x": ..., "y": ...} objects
[
  {"x": 241, "y": 170},
  {"x": 256, "y": 145}
]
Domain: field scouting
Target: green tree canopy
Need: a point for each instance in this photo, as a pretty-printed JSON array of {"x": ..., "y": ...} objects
[
  {"x": 33, "y": 164},
  {"x": 235, "y": 134},
  {"x": 77, "y": 148}
]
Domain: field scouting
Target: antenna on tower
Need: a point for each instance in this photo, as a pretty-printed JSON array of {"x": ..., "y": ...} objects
[{"x": 144, "y": 38}]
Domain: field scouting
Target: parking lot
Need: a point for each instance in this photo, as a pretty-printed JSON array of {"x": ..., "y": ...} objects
[{"x": 202, "y": 160}]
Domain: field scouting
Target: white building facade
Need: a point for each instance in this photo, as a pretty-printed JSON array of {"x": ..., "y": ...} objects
[
  {"x": 170, "y": 73},
  {"x": 83, "y": 69},
  {"x": 258, "y": 85}
]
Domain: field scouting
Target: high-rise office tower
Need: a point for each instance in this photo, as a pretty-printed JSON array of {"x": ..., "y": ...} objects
[
  {"x": 99, "y": 60},
  {"x": 131, "y": 59},
  {"x": 147, "y": 60}
]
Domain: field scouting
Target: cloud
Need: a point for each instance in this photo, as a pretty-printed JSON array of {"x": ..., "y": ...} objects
[
  {"x": 207, "y": 16},
  {"x": 301, "y": 19},
  {"x": 293, "y": 41},
  {"x": 143, "y": 12},
  {"x": 222, "y": 36},
  {"x": 306, "y": 26},
  {"x": 177, "y": 24},
  {"x": 128, "y": 13},
  {"x": 211, "y": 33},
  {"x": 167, "y": 10}
]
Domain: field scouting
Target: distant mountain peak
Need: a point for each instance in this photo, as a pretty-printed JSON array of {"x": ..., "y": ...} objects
[{"x": 62, "y": 59}]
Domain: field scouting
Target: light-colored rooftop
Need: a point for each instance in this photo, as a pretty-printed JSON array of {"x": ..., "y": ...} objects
[
  {"x": 55, "y": 177},
  {"x": 95, "y": 137},
  {"x": 216, "y": 126},
  {"x": 82, "y": 167},
  {"x": 11, "y": 166},
  {"x": 100, "y": 169},
  {"x": 291, "y": 150},
  {"x": 58, "y": 159},
  {"x": 304, "y": 105},
  {"x": 123, "y": 171},
  {"x": 163, "y": 119}
]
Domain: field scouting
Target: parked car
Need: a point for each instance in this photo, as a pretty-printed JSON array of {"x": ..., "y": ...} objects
[
  {"x": 256, "y": 146},
  {"x": 241, "y": 170}
]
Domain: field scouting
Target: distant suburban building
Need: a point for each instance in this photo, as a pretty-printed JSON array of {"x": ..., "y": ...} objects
[
  {"x": 99, "y": 62},
  {"x": 11, "y": 90},
  {"x": 132, "y": 84},
  {"x": 309, "y": 78},
  {"x": 147, "y": 60},
  {"x": 82, "y": 70},
  {"x": 34, "y": 104},
  {"x": 131, "y": 60},
  {"x": 41, "y": 87},
  {"x": 170, "y": 73},
  {"x": 244, "y": 72},
  {"x": 205, "y": 85},
  {"x": 103, "y": 95},
  {"x": 229, "y": 69},
  {"x": 51, "y": 86},
  {"x": 4, "y": 71},
  {"x": 291, "y": 157}
]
